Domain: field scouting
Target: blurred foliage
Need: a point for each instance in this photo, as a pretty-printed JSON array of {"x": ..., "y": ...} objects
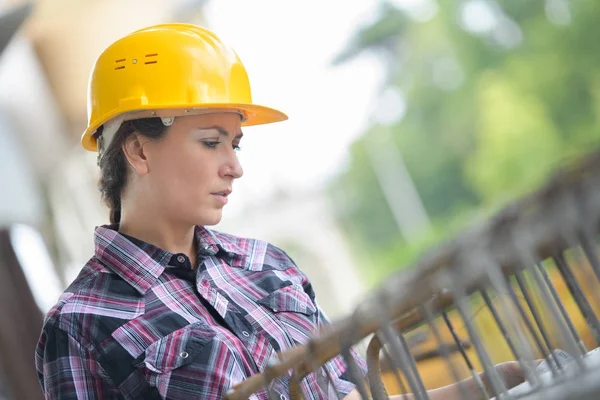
[{"x": 497, "y": 93}]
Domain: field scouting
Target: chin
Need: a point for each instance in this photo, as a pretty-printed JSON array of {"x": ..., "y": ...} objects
[{"x": 210, "y": 219}]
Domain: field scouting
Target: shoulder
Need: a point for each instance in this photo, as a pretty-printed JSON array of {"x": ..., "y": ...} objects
[
  {"x": 95, "y": 296},
  {"x": 260, "y": 255},
  {"x": 270, "y": 266}
]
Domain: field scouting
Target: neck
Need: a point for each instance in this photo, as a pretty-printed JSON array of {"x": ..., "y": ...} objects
[{"x": 159, "y": 231}]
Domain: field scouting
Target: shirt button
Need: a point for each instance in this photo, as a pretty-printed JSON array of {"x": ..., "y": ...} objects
[
  {"x": 245, "y": 334},
  {"x": 184, "y": 354},
  {"x": 282, "y": 397},
  {"x": 181, "y": 259}
]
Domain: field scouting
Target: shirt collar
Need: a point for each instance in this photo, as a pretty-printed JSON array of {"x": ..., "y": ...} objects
[
  {"x": 209, "y": 239},
  {"x": 140, "y": 264},
  {"x": 140, "y": 267}
]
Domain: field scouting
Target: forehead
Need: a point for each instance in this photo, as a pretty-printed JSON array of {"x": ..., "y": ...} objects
[{"x": 231, "y": 122}]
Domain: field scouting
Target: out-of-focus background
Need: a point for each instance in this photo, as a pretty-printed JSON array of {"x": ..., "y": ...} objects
[{"x": 408, "y": 120}]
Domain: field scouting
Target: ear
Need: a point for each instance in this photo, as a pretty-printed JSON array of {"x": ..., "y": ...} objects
[{"x": 134, "y": 153}]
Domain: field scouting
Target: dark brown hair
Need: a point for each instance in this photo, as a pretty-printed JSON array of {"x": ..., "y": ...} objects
[{"x": 113, "y": 165}]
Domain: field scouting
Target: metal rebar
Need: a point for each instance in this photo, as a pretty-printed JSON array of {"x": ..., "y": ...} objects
[
  {"x": 590, "y": 253},
  {"x": 374, "y": 373},
  {"x": 496, "y": 384},
  {"x": 502, "y": 287},
  {"x": 411, "y": 362},
  {"x": 464, "y": 355},
  {"x": 397, "y": 376},
  {"x": 496, "y": 316},
  {"x": 400, "y": 360},
  {"x": 330, "y": 379},
  {"x": 563, "y": 330},
  {"x": 426, "y": 308},
  {"x": 561, "y": 307},
  {"x": 401, "y": 352},
  {"x": 586, "y": 250},
  {"x": 562, "y": 215},
  {"x": 354, "y": 372},
  {"x": 538, "y": 342},
  {"x": 582, "y": 303},
  {"x": 536, "y": 316}
]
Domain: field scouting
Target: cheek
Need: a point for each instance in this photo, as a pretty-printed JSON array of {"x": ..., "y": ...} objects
[{"x": 186, "y": 174}]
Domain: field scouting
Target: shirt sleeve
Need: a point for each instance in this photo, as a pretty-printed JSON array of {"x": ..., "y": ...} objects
[{"x": 68, "y": 370}]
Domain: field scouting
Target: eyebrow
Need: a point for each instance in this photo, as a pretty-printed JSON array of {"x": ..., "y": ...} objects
[{"x": 222, "y": 131}]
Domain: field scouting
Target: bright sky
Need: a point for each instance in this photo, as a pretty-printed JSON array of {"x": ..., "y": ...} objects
[{"x": 286, "y": 47}]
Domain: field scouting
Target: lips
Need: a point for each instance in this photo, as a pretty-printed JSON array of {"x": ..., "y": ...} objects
[
  {"x": 221, "y": 196},
  {"x": 223, "y": 193}
]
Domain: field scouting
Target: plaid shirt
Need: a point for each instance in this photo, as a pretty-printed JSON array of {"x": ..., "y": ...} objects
[{"x": 140, "y": 322}]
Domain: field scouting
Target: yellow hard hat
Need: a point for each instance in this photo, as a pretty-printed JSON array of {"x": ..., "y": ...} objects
[{"x": 169, "y": 70}]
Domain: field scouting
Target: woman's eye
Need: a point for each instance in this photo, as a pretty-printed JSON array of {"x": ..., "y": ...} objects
[
  {"x": 211, "y": 145},
  {"x": 236, "y": 147}
]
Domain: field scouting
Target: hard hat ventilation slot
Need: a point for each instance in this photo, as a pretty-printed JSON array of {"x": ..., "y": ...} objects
[
  {"x": 151, "y": 61},
  {"x": 121, "y": 60}
]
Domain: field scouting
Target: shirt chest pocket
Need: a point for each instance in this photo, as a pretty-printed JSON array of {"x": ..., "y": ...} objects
[
  {"x": 293, "y": 309},
  {"x": 178, "y": 360}
]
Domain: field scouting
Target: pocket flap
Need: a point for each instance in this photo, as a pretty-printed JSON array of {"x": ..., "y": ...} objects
[
  {"x": 177, "y": 348},
  {"x": 290, "y": 298}
]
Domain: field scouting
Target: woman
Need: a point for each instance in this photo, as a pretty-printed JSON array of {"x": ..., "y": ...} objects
[{"x": 167, "y": 308}]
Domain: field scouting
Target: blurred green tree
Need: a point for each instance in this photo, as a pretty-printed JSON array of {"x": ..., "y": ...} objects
[{"x": 496, "y": 92}]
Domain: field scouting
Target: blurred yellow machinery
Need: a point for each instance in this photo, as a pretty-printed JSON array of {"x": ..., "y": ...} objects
[{"x": 522, "y": 285}]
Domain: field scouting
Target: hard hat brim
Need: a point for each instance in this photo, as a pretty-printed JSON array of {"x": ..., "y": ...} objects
[{"x": 254, "y": 115}]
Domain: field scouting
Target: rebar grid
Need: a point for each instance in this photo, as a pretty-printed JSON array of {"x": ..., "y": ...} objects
[{"x": 509, "y": 267}]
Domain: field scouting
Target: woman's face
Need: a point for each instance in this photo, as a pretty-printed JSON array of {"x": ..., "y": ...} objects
[{"x": 190, "y": 172}]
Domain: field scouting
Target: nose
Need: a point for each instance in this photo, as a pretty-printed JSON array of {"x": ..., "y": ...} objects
[{"x": 232, "y": 167}]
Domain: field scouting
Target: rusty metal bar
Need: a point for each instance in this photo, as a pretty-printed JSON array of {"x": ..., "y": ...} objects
[{"x": 536, "y": 227}]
